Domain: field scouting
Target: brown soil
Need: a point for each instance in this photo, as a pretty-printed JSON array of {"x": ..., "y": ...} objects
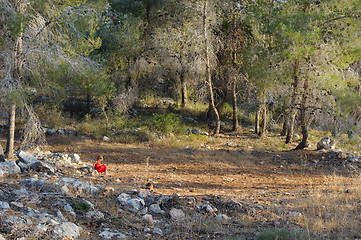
[{"x": 231, "y": 173}]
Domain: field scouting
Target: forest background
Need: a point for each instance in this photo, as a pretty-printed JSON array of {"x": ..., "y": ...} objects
[{"x": 281, "y": 66}]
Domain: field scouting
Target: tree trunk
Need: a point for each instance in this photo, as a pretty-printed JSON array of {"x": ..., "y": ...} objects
[
  {"x": 263, "y": 124},
  {"x": 11, "y": 135},
  {"x": 208, "y": 71},
  {"x": 303, "y": 116},
  {"x": 184, "y": 90},
  {"x": 88, "y": 103},
  {"x": 293, "y": 110},
  {"x": 235, "y": 110},
  {"x": 291, "y": 126},
  {"x": 18, "y": 63},
  {"x": 285, "y": 124},
  {"x": 256, "y": 124}
]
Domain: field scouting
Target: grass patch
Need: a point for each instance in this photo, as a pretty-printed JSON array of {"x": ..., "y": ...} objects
[{"x": 283, "y": 235}]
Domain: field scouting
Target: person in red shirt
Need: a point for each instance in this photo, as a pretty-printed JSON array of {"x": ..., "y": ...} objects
[{"x": 102, "y": 168}]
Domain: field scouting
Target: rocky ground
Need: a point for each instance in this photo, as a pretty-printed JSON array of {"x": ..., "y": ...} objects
[{"x": 176, "y": 193}]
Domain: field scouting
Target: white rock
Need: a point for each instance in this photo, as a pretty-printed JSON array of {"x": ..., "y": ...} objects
[
  {"x": 222, "y": 218},
  {"x": 105, "y": 139},
  {"x": 95, "y": 215},
  {"x": 66, "y": 229},
  {"x": 111, "y": 234},
  {"x": 123, "y": 198},
  {"x": 9, "y": 168},
  {"x": 176, "y": 214},
  {"x": 4, "y": 206}
]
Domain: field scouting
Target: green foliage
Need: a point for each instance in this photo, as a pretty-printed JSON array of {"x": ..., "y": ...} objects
[
  {"x": 226, "y": 110},
  {"x": 80, "y": 206},
  {"x": 165, "y": 123},
  {"x": 282, "y": 235}
]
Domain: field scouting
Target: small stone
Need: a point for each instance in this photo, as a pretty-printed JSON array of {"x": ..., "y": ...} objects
[
  {"x": 144, "y": 193},
  {"x": 68, "y": 208},
  {"x": 111, "y": 234},
  {"x": 135, "y": 204},
  {"x": 222, "y": 218},
  {"x": 146, "y": 230},
  {"x": 208, "y": 208},
  {"x": 95, "y": 215},
  {"x": 176, "y": 214},
  {"x": 155, "y": 209},
  {"x": 4, "y": 206},
  {"x": 148, "y": 218},
  {"x": 157, "y": 231},
  {"x": 105, "y": 139},
  {"x": 123, "y": 198}
]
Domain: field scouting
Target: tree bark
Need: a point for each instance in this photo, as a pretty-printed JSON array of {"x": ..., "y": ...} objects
[
  {"x": 285, "y": 124},
  {"x": 18, "y": 63},
  {"x": 184, "y": 89},
  {"x": 304, "y": 124},
  {"x": 235, "y": 110},
  {"x": 293, "y": 110},
  {"x": 263, "y": 124},
  {"x": 11, "y": 135},
  {"x": 256, "y": 124},
  {"x": 208, "y": 71}
]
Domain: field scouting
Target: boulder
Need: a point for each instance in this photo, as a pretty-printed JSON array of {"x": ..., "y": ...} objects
[
  {"x": 9, "y": 168},
  {"x": 326, "y": 143},
  {"x": 40, "y": 166},
  {"x": 26, "y": 158},
  {"x": 66, "y": 229}
]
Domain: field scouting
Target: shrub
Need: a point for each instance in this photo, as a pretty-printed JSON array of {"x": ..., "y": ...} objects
[
  {"x": 165, "y": 123},
  {"x": 80, "y": 206}
]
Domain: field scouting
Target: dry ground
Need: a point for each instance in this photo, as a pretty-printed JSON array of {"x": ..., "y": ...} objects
[{"x": 315, "y": 184}]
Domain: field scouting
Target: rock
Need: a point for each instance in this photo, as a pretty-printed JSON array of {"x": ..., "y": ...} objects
[
  {"x": 4, "y": 206},
  {"x": 144, "y": 193},
  {"x": 208, "y": 208},
  {"x": 326, "y": 143},
  {"x": 222, "y": 218},
  {"x": 231, "y": 144},
  {"x": 77, "y": 186},
  {"x": 68, "y": 208},
  {"x": 95, "y": 215},
  {"x": 9, "y": 168},
  {"x": 111, "y": 234},
  {"x": 75, "y": 158},
  {"x": 105, "y": 139},
  {"x": 157, "y": 231},
  {"x": 146, "y": 230},
  {"x": 176, "y": 214},
  {"x": 26, "y": 157},
  {"x": 123, "y": 198},
  {"x": 155, "y": 209},
  {"x": 148, "y": 218},
  {"x": 40, "y": 166},
  {"x": 294, "y": 214},
  {"x": 66, "y": 229},
  {"x": 135, "y": 204}
]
